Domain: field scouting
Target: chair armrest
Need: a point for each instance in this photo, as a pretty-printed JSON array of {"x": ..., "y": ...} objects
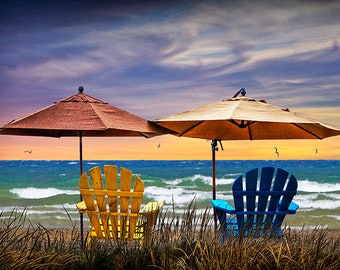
[
  {"x": 293, "y": 207},
  {"x": 149, "y": 214},
  {"x": 151, "y": 207},
  {"x": 81, "y": 206},
  {"x": 223, "y": 205}
]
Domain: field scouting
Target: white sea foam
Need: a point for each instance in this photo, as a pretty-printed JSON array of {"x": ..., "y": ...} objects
[
  {"x": 44, "y": 210},
  {"x": 333, "y": 216},
  {"x": 311, "y": 186},
  {"x": 62, "y": 206},
  {"x": 195, "y": 177},
  {"x": 72, "y": 162},
  {"x": 228, "y": 198},
  {"x": 199, "y": 177},
  {"x": 224, "y": 181},
  {"x": 174, "y": 182},
  {"x": 39, "y": 193},
  {"x": 311, "y": 201},
  {"x": 205, "y": 179},
  {"x": 233, "y": 174},
  {"x": 208, "y": 180},
  {"x": 179, "y": 196}
]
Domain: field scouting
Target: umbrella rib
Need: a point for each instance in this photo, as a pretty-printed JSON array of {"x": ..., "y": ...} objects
[
  {"x": 192, "y": 127},
  {"x": 144, "y": 135},
  {"x": 306, "y": 130},
  {"x": 243, "y": 124},
  {"x": 249, "y": 131}
]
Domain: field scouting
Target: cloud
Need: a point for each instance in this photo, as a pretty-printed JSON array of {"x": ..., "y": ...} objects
[
  {"x": 173, "y": 56},
  {"x": 155, "y": 58}
]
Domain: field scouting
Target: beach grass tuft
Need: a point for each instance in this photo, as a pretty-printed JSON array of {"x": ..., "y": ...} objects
[{"x": 186, "y": 241}]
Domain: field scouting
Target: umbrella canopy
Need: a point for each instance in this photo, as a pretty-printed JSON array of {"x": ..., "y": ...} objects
[
  {"x": 82, "y": 115},
  {"x": 244, "y": 118}
]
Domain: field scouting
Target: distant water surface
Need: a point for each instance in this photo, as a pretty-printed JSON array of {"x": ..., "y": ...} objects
[{"x": 48, "y": 189}]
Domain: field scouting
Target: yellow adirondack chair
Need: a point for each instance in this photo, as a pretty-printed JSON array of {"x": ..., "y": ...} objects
[{"x": 115, "y": 213}]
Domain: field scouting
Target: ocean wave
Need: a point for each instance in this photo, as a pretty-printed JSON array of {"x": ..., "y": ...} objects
[
  {"x": 203, "y": 178},
  {"x": 180, "y": 196},
  {"x": 47, "y": 210},
  {"x": 224, "y": 181},
  {"x": 333, "y": 216},
  {"x": 208, "y": 180},
  {"x": 199, "y": 177},
  {"x": 174, "y": 182},
  {"x": 233, "y": 174},
  {"x": 311, "y": 201},
  {"x": 67, "y": 206},
  {"x": 40, "y": 193},
  {"x": 179, "y": 181},
  {"x": 72, "y": 162},
  {"x": 311, "y": 186}
]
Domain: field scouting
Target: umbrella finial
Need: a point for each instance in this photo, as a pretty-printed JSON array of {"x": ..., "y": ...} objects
[
  {"x": 242, "y": 91},
  {"x": 81, "y": 89}
]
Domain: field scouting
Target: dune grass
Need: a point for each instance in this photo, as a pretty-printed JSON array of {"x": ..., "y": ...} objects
[{"x": 187, "y": 241}]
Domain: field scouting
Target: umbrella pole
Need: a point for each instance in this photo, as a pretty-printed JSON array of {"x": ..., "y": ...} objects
[
  {"x": 81, "y": 198},
  {"x": 213, "y": 151}
]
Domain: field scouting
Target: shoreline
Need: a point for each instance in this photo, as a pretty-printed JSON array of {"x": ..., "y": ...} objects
[
  {"x": 299, "y": 221},
  {"x": 67, "y": 219}
]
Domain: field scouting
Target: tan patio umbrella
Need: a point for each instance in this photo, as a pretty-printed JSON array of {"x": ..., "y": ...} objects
[
  {"x": 244, "y": 118},
  {"x": 80, "y": 116}
]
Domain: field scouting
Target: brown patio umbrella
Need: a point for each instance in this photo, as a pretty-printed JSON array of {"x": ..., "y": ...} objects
[
  {"x": 80, "y": 116},
  {"x": 244, "y": 118}
]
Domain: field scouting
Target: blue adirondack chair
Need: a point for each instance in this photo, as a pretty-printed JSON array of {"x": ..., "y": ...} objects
[{"x": 262, "y": 198}]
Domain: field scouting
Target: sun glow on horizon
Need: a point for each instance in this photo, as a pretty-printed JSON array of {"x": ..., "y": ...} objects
[{"x": 165, "y": 147}]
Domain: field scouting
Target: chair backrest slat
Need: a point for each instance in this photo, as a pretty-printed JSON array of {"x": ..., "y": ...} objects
[
  {"x": 238, "y": 200},
  {"x": 264, "y": 192},
  {"x": 286, "y": 200},
  {"x": 135, "y": 205},
  {"x": 91, "y": 207},
  {"x": 251, "y": 185},
  {"x": 267, "y": 194},
  {"x": 97, "y": 184},
  {"x": 113, "y": 211},
  {"x": 111, "y": 177}
]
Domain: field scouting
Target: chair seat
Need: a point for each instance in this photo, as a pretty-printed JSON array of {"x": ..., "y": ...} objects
[
  {"x": 149, "y": 212},
  {"x": 138, "y": 234}
]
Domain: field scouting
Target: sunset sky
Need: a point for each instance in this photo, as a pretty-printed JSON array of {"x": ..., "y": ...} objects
[{"x": 155, "y": 59}]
